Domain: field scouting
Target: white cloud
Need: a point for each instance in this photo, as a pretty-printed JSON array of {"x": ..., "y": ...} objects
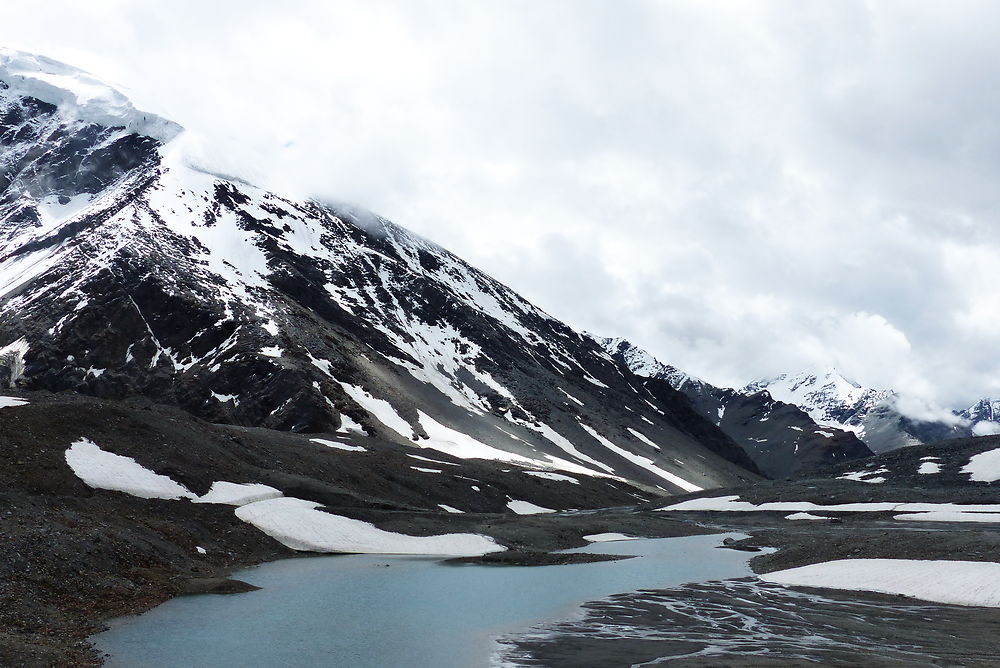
[
  {"x": 742, "y": 188},
  {"x": 986, "y": 428}
]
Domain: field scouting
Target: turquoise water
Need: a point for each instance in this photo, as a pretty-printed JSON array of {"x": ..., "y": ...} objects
[{"x": 369, "y": 611}]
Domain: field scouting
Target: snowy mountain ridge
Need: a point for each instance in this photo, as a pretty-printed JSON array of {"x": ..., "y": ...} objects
[
  {"x": 127, "y": 272},
  {"x": 831, "y": 400},
  {"x": 78, "y": 94},
  {"x": 826, "y": 395},
  {"x": 781, "y": 439}
]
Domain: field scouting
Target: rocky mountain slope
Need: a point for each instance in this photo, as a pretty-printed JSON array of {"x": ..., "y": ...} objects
[
  {"x": 780, "y": 438},
  {"x": 125, "y": 271}
]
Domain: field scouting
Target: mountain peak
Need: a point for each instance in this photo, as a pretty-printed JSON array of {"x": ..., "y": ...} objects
[
  {"x": 827, "y": 395},
  {"x": 77, "y": 94},
  {"x": 642, "y": 363}
]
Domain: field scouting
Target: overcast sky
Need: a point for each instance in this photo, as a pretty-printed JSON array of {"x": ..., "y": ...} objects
[{"x": 742, "y": 188}]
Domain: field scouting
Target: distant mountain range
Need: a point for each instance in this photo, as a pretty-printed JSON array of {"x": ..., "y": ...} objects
[
  {"x": 781, "y": 438},
  {"x": 830, "y": 400}
]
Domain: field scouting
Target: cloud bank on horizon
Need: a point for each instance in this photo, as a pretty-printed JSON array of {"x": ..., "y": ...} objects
[{"x": 741, "y": 188}]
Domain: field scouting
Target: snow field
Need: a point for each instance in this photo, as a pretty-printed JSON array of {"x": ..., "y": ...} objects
[
  {"x": 955, "y": 582},
  {"x": 105, "y": 470},
  {"x": 984, "y": 467},
  {"x": 298, "y": 524}
]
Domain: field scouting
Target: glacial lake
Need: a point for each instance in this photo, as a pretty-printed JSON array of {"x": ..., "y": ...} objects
[{"x": 379, "y": 611}]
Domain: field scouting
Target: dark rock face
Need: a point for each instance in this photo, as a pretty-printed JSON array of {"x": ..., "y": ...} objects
[
  {"x": 778, "y": 439},
  {"x": 129, "y": 274}
]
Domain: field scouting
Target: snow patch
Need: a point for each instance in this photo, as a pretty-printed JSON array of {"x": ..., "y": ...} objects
[
  {"x": 642, "y": 438},
  {"x": 297, "y": 524},
  {"x": 237, "y": 494},
  {"x": 608, "y": 537},
  {"x": 644, "y": 462},
  {"x": 950, "y": 516},
  {"x": 733, "y": 504},
  {"x": 527, "y": 508},
  {"x": 105, "y": 470},
  {"x": 546, "y": 475},
  {"x": 984, "y": 467},
  {"x": 971, "y": 583},
  {"x": 338, "y": 446},
  {"x": 927, "y": 468},
  {"x": 805, "y": 516}
]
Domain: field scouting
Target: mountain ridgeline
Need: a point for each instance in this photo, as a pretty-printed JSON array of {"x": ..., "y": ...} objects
[
  {"x": 125, "y": 271},
  {"x": 780, "y": 438}
]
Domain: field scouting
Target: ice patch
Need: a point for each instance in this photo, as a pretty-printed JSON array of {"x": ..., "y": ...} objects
[
  {"x": 805, "y": 516},
  {"x": 450, "y": 509},
  {"x": 298, "y": 524},
  {"x": 9, "y": 402}
]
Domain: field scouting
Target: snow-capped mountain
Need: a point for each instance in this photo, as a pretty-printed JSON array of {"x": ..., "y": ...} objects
[
  {"x": 826, "y": 395},
  {"x": 874, "y": 415},
  {"x": 984, "y": 417},
  {"x": 125, "y": 270},
  {"x": 778, "y": 436}
]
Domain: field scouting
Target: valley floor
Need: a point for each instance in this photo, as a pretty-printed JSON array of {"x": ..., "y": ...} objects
[
  {"x": 74, "y": 557},
  {"x": 58, "y": 586}
]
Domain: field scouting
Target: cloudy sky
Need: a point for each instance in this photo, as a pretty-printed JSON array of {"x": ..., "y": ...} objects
[{"x": 743, "y": 188}]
